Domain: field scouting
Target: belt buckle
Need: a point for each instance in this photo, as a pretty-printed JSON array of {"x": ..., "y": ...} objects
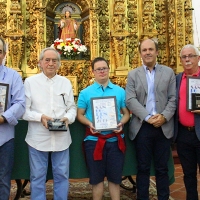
[{"x": 190, "y": 128}]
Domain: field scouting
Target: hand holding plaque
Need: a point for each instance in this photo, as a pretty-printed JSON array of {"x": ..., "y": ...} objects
[
  {"x": 104, "y": 113},
  {"x": 56, "y": 125}
]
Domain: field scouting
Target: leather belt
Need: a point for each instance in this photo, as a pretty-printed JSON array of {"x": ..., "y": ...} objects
[{"x": 189, "y": 128}]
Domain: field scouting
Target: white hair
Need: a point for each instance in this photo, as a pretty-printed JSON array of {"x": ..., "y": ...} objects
[{"x": 190, "y": 46}]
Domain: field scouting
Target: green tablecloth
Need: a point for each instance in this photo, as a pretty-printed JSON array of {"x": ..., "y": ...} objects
[{"x": 78, "y": 167}]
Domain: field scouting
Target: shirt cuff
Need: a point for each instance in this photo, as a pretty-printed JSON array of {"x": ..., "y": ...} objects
[{"x": 147, "y": 118}]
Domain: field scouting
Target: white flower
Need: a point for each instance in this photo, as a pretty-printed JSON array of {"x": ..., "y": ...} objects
[
  {"x": 68, "y": 48},
  {"x": 59, "y": 47},
  {"x": 76, "y": 39},
  {"x": 82, "y": 48},
  {"x": 58, "y": 40},
  {"x": 76, "y": 46}
]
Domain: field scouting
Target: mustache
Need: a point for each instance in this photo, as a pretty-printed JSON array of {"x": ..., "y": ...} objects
[{"x": 188, "y": 63}]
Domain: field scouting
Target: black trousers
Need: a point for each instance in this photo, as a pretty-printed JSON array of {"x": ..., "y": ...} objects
[
  {"x": 151, "y": 142},
  {"x": 188, "y": 148}
]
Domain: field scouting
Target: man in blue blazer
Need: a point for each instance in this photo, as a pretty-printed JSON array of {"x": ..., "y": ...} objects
[
  {"x": 150, "y": 96},
  {"x": 187, "y": 123}
]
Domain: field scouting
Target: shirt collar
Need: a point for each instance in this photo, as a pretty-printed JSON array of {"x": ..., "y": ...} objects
[
  {"x": 97, "y": 85},
  {"x": 195, "y": 74},
  {"x": 146, "y": 68},
  {"x": 47, "y": 79}
]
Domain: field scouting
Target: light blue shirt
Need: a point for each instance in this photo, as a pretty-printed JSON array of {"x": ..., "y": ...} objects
[
  {"x": 151, "y": 103},
  {"x": 96, "y": 90},
  {"x": 15, "y": 104}
]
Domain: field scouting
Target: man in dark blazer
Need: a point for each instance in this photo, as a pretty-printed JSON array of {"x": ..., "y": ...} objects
[
  {"x": 150, "y": 96},
  {"x": 187, "y": 123}
]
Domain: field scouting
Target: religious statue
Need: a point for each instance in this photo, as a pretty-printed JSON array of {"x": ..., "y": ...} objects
[{"x": 68, "y": 27}]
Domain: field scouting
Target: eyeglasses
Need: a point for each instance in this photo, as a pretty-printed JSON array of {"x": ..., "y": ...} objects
[
  {"x": 189, "y": 56},
  {"x": 104, "y": 69}
]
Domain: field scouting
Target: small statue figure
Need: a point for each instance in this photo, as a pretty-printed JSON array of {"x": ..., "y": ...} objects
[{"x": 68, "y": 27}]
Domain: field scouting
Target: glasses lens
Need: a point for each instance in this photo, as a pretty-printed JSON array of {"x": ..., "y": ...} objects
[
  {"x": 105, "y": 69},
  {"x": 189, "y": 56}
]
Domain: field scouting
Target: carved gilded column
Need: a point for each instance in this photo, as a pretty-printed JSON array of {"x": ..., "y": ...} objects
[
  {"x": 3, "y": 17},
  {"x": 15, "y": 36},
  {"x": 148, "y": 19},
  {"x": 104, "y": 29},
  {"x": 94, "y": 41},
  {"x": 172, "y": 61},
  {"x": 188, "y": 22},
  {"x": 183, "y": 29},
  {"x": 180, "y": 35},
  {"x": 119, "y": 36},
  {"x": 133, "y": 28},
  {"x": 41, "y": 28},
  {"x": 162, "y": 27}
]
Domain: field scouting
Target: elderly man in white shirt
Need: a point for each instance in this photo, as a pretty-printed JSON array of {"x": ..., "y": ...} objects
[{"x": 48, "y": 97}]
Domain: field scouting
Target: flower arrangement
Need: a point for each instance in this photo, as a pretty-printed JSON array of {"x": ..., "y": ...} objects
[{"x": 69, "y": 48}]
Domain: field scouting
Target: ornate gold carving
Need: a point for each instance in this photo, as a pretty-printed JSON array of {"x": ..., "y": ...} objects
[
  {"x": 15, "y": 35},
  {"x": 79, "y": 68},
  {"x": 180, "y": 32},
  {"x": 73, "y": 80},
  {"x": 162, "y": 26},
  {"x": 148, "y": 19},
  {"x": 188, "y": 22},
  {"x": 119, "y": 80},
  {"x": 33, "y": 60},
  {"x": 111, "y": 28},
  {"x": 15, "y": 47},
  {"x": 49, "y": 30},
  {"x": 119, "y": 35},
  {"x": 172, "y": 58},
  {"x": 132, "y": 43},
  {"x": 3, "y": 17},
  {"x": 119, "y": 46}
]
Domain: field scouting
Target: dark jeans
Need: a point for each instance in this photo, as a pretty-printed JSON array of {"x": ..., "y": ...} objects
[
  {"x": 188, "y": 148},
  {"x": 6, "y": 164},
  {"x": 151, "y": 142}
]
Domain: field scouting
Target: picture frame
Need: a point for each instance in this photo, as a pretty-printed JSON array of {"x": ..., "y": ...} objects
[
  {"x": 4, "y": 88},
  {"x": 104, "y": 113},
  {"x": 193, "y": 93}
]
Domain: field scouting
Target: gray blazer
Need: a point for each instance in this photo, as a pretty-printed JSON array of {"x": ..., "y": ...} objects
[{"x": 165, "y": 94}]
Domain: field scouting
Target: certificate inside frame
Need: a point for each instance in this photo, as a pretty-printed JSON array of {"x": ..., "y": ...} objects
[
  {"x": 104, "y": 113},
  {"x": 193, "y": 93},
  {"x": 3, "y": 97}
]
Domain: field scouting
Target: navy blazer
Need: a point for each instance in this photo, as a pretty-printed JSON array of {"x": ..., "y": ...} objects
[{"x": 196, "y": 116}]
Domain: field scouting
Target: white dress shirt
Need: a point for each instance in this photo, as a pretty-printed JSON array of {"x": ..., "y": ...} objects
[{"x": 51, "y": 97}]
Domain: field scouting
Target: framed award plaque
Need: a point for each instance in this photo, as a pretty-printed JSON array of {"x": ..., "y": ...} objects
[
  {"x": 104, "y": 113},
  {"x": 193, "y": 93},
  {"x": 3, "y": 97}
]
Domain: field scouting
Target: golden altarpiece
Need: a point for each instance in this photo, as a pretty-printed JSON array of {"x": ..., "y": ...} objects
[{"x": 110, "y": 28}]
